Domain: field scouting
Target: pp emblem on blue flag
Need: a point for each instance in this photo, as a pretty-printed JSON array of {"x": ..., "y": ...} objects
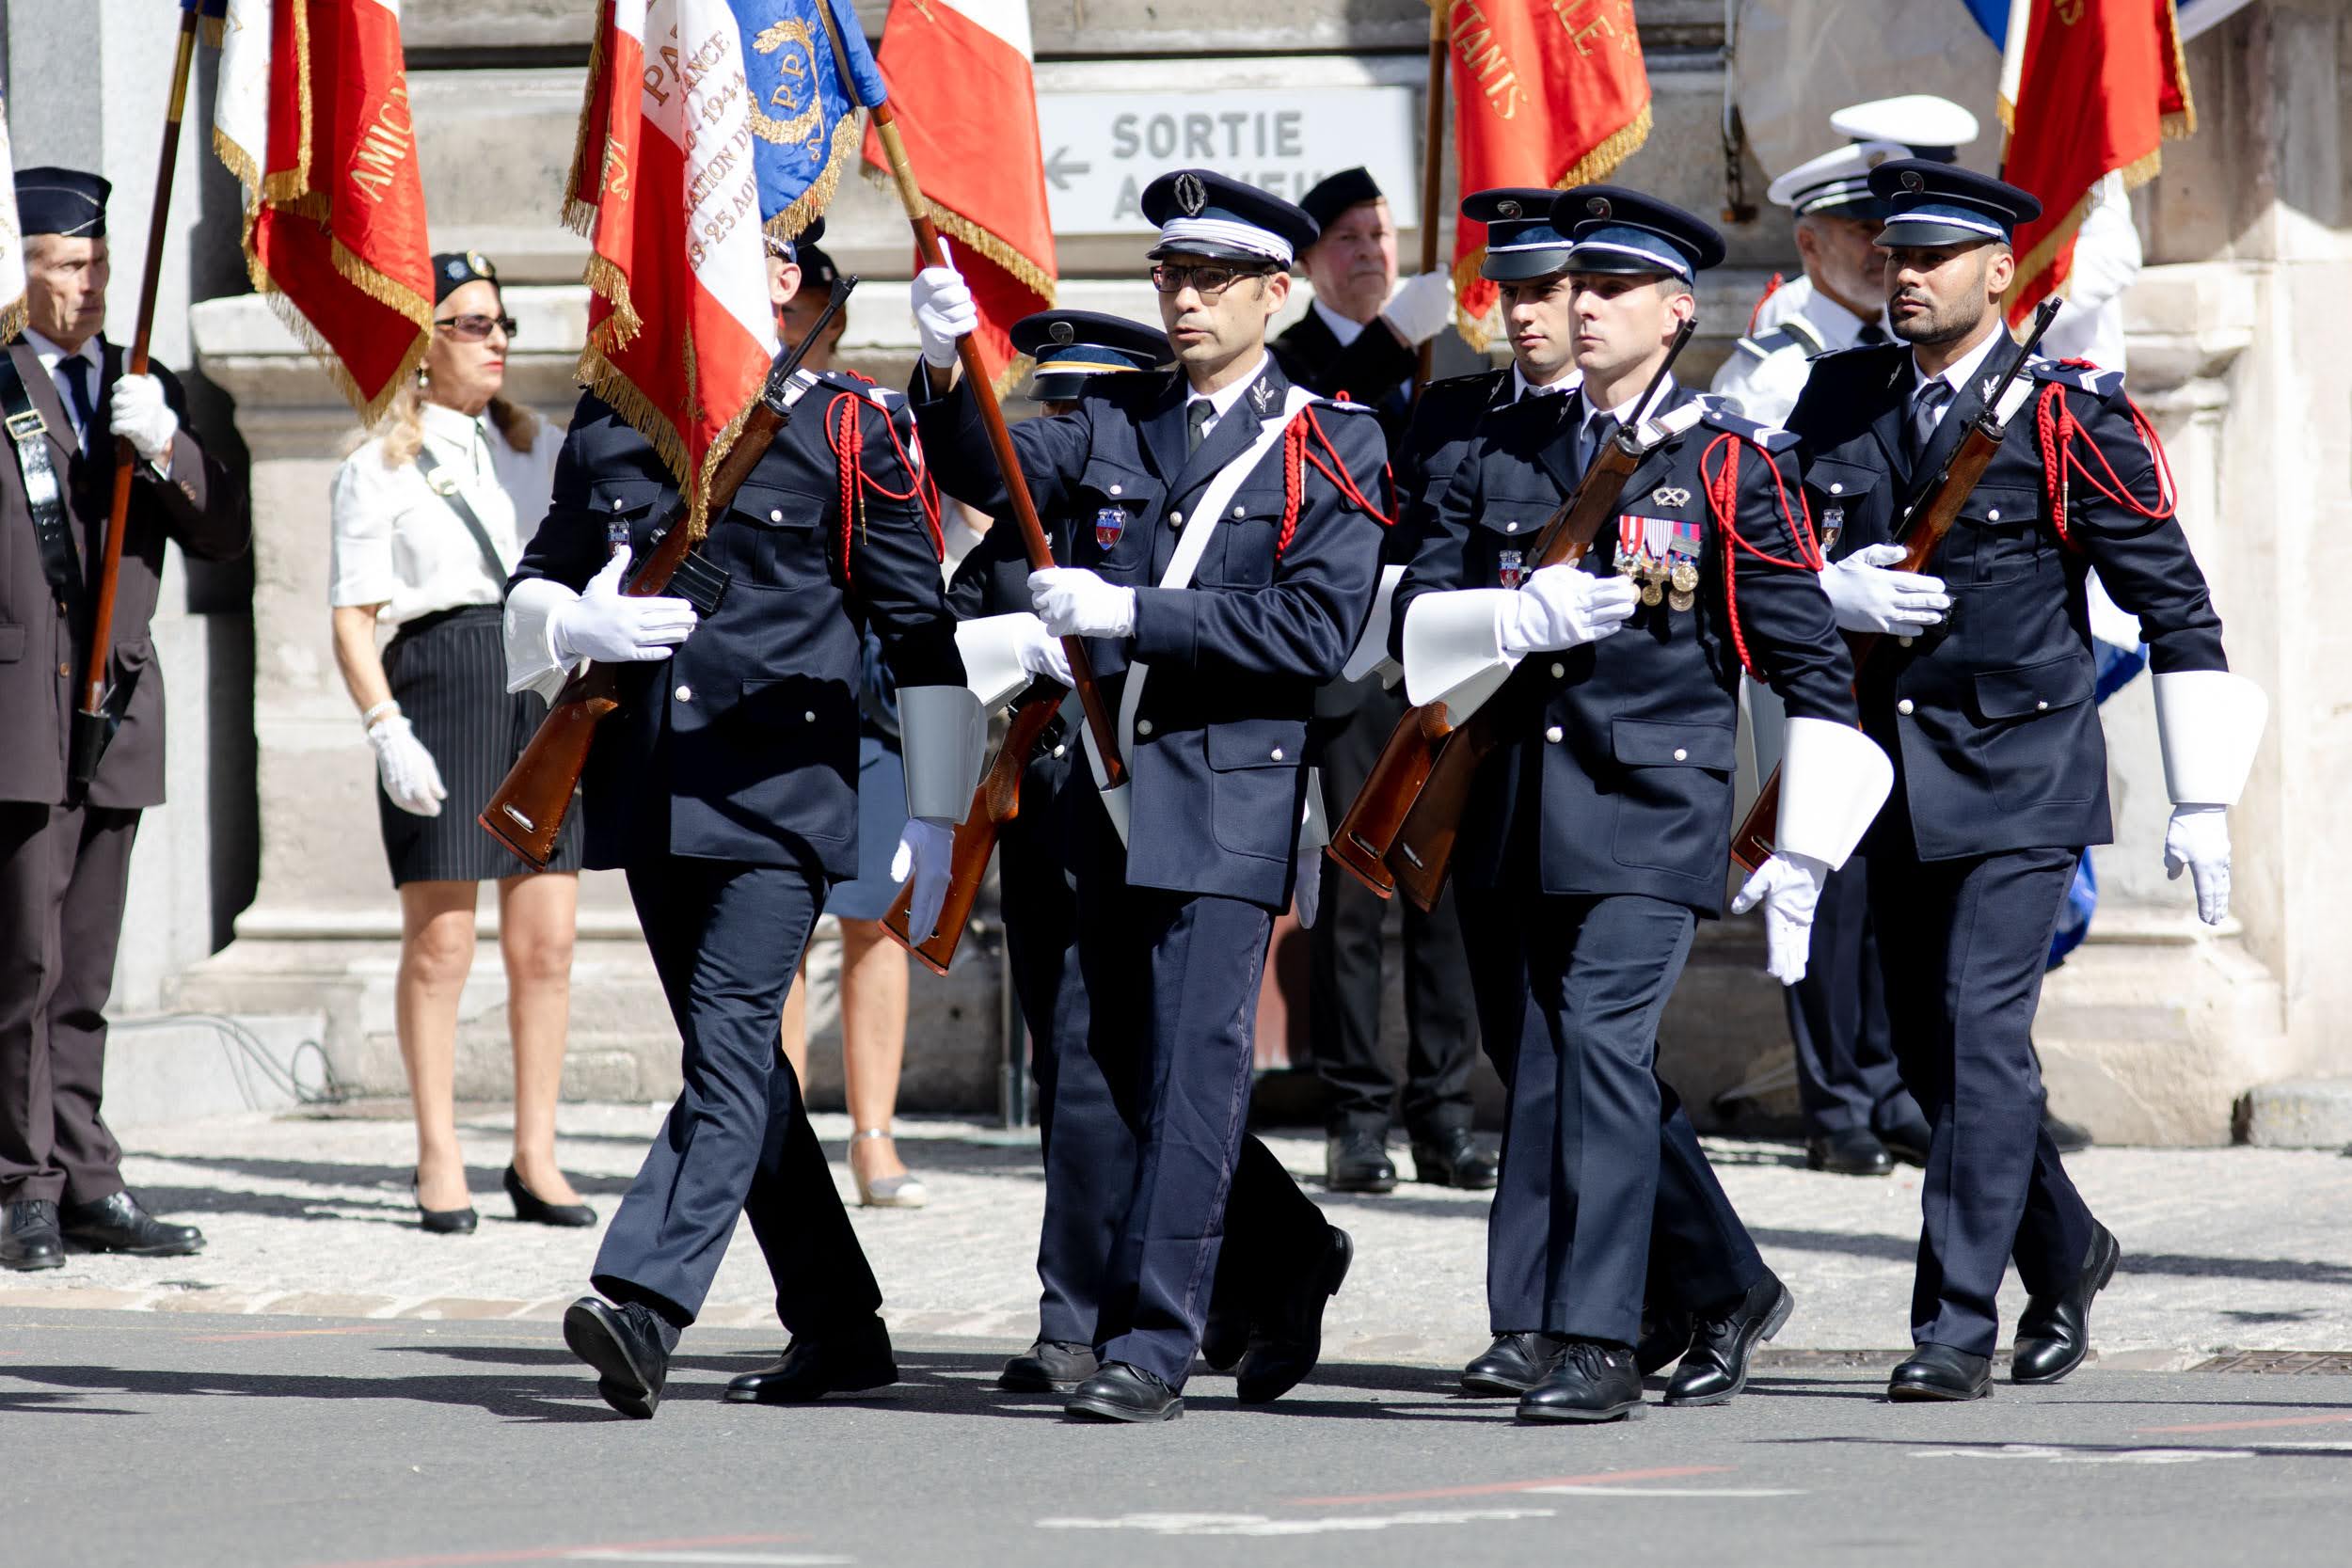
[
  {"x": 1109, "y": 524},
  {"x": 805, "y": 120}
]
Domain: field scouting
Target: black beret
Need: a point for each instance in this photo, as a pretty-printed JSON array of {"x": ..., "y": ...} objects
[
  {"x": 1350, "y": 188},
  {"x": 65, "y": 201}
]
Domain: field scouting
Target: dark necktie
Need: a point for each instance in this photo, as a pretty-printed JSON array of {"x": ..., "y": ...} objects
[
  {"x": 1597, "y": 435},
  {"x": 1924, "y": 406},
  {"x": 1196, "y": 419},
  {"x": 77, "y": 370},
  {"x": 1871, "y": 335}
]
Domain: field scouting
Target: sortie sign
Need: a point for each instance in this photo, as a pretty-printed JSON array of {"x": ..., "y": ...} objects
[{"x": 1101, "y": 148}]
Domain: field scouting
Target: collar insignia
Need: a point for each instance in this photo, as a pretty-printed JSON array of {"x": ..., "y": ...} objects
[
  {"x": 1671, "y": 494},
  {"x": 1261, "y": 397},
  {"x": 1986, "y": 387}
]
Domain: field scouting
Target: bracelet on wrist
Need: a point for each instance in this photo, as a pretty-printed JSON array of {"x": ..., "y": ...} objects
[{"x": 385, "y": 709}]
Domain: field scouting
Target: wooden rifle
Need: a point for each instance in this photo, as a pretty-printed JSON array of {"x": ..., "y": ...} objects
[
  {"x": 1928, "y": 516},
  {"x": 1401, "y": 826},
  {"x": 526, "y": 813}
]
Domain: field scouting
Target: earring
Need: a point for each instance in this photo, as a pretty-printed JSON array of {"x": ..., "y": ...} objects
[{"x": 424, "y": 376}]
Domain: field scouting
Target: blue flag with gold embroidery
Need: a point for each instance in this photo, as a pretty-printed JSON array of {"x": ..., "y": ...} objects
[{"x": 805, "y": 113}]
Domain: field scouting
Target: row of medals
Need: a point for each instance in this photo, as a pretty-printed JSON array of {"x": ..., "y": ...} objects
[{"x": 1676, "y": 585}]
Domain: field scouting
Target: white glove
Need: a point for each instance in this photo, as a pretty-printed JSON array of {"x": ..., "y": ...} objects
[
  {"x": 1420, "y": 307},
  {"x": 1868, "y": 597},
  {"x": 944, "y": 311},
  {"x": 407, "y": 770},
  {"x": 139, "y": 410},
  {"x": 1040, "y": 653},
  {"x": 926, "y": 852},
  {"x": 1789, "y": 887},
  {"x": 1561, "y": 606},
  {"x": 1074, "y": 602},
  {"x": 608, "y": 625},
  {"x": 2197, "y": 840}
]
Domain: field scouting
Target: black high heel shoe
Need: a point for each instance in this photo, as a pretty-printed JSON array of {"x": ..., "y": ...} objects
[
  {"x": 443, "y": 1222},
  {"x": 534, "y": 1210}
]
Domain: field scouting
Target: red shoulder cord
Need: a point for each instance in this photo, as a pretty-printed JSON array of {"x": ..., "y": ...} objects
[
  {"x": 2062, "y": 436},
  {"x": 1770, "y": 290},
  {"x": 845, "y": 434},
  {"x": 1722, "y": 499},
  {"x": 1296, "y": 456}
]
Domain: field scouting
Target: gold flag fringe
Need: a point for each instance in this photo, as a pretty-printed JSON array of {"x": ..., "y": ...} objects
[
  {"x": 849, "y": 132},
  {"x": 2182, "y": 121},
  {"x": 1023, "y": 271},
  {"x": 14, "y": 316},
  {"x": 580, "y": 213},
  {"x": 2044, "y": 256}
]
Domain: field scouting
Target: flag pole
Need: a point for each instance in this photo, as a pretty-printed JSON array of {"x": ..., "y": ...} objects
[
  {"x": 90, "y": 730},
  {"x": 1432, "y": 166},
  {"x": 1041, "y": 552}
]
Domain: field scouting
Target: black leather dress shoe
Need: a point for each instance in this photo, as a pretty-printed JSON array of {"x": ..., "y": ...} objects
[
  {"x": 117, "y": 1223},
  {"x": 534, "y": 1210},
  {"x": 1285, "y": 1345},
  {"x": 1358, "y": 1163},
  {"x": 2054, "y": 1332},
  {"x": 1664, "y": 1337},
  {"x": 1224, "y": 1338},
  {"x": 28, "y": 1236},
  {"x": 841, "y": 1363},
  {"x": 1049, "y": 1367},
  {"x": 1907, "y": 1137},
  {"x": 1454, "y": 1158},
  {"x": 2064, "y": 1135},
  {"x": 1941, "y": 1373},
  {"x": 1513, "y": 1364},
  {"x": 1590, "y": 1382},
  {"x": 630, "y": 1348},
  {"x": 1848, "y": 1151},
  {"x": 1123, "y": 1393},
  {"x": 1716, "y": 1365}
]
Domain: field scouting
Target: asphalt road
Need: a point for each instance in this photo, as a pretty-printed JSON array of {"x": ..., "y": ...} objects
[{"x": 185, "y": 1440}]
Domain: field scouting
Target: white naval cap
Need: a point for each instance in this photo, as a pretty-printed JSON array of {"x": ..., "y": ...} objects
[
  {"x": 1932, "y": 127},
  {"x": 1840, "y": 180}
]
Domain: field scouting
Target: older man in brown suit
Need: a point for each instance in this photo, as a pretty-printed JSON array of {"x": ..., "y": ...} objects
[{"x": 65, "y": 854}]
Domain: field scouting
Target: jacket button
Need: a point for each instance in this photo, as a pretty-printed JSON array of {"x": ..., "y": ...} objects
[
  {"x": 66, "y": 670},
  {"x": 1175, "y": 519},
  {"x": 1275, "y": 755},
  {"x": 1683, "y": 754},
  {"x": 1903, "y": 707},
  {"x": 776, "y": 516},
  {"x": 1555, "y": 734},
  {"x": 2041, "y": 706},
  {"x": 1143, "y": 727},
  {"x": 1239, "y": 512},
  {"x": 1558, "y": 672},
  {"x": 1510, "y": 528},
  {"x": 1993, "y": 515},
  {"x": 1902, "y": 641},
  {"x": 1114, "y": 489},
  {"x": 684, "y": 693},
  {"x": 1062, "y": 751},
  {"x": 616, "y": 503},
  {"x": 1836, "y": 489}
]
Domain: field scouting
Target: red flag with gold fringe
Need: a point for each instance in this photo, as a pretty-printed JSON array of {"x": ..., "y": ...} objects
[{"x": 1547, "y": 92}]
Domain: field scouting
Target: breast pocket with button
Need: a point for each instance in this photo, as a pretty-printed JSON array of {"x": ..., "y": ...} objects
[
  {"x": 1502, "y": 550},
  {"x": 1115, "y": 509}
]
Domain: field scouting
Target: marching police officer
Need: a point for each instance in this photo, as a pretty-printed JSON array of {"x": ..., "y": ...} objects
[
  {"x": 1036, "y": 886},
  {"x": 1980, "y": 690},
  {"x": 1595, "y": 839},
  {"x": 1855, "y": 1108},
  {"x": 1225, "y": 559},
  {"x": 1357, "y": 340},
  {"x": 727, "y": 787},
  {"x": 65, "y": 855}
]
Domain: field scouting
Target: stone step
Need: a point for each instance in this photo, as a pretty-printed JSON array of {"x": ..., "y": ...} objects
[{"x": 2297, "y": 1112}]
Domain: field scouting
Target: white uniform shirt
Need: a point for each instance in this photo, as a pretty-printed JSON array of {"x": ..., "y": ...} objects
[
  {"x": 1768, "y": 388},
  {"x": 398, "y": 544},
  {"x": 2106, "y": 261}
]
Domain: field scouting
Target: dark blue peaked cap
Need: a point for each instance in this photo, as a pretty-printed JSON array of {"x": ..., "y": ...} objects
[
  {"x": 1203, "y": 212},
  {"x": 1071, "y": 346},
  {"x": 1522, "y": 243},
  {"x": 51, "y": 200},
  {"x": 1931, "y": 204},
  {"x": 1621, "y": 230}
]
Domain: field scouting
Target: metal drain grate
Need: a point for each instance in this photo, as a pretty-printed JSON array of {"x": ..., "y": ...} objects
[{"x": 2334, "y": 1363}]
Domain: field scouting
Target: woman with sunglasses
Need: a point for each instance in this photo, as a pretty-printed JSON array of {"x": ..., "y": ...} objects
[{"x": 426, "y": 531}]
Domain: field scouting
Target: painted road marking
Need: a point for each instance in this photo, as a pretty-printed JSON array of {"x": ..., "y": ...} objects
[
  {"x": 1670, "y": 1491},
  {"x": 2250, "y": 1426},
  {"x": 1258, "y": 1524},
  {"x": 610, "y": 1551},
  {"x": 1493, "y": 1488},
  {"x": 758, "y": 1560},
  {"x": 2085, "y": 1456}
]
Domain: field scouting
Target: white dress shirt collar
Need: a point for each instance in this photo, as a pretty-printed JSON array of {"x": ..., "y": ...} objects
[
  {"x": 52, "y": 356},
  {"x": 1624, "y": 411},
  {"x": 1221, "y": 401},
  {"x": 1958, "y": 374},
  {"x": 1839, "y": 326},
  {"x": 1522, "y": 387},
  {"x": 1345, "y": 330}
]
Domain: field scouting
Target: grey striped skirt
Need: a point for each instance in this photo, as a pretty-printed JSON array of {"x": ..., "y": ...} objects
[{"x": 448, "y": 676}]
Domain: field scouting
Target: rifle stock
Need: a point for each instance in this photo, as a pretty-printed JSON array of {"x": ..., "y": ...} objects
[
  {"x": 1400, "y": 829},
  {"x": 1929, "y": 519},
  {"x": 526, "y": 812},
  {"x": 995, "y": 802}
]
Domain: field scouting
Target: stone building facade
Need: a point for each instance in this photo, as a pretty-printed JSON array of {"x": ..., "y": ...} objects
[{"x": 261, "y": 888}]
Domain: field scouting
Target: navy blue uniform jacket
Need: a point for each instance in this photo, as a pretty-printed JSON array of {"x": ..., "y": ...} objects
[
  {"x": 1622, "y": 782},
  {"x": 743, "y": 744},
  {"x": 1990, "y": 717},
  {"x": 1219, "y": 775}
]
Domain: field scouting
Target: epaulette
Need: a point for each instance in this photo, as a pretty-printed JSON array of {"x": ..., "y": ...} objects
[
  {"x": 2078, "y": 373},
  {"x": 857, "y": 386},
  {"x": 1717, "y": 412},
  {"x": 1796, "y": 332}
]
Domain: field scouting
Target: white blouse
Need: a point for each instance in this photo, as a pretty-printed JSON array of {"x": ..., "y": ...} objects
[{"x": 398, "y": 544}]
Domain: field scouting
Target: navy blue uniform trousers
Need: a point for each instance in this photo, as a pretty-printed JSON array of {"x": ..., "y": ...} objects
[
  {"x": 1847, "y": 1076},
  {"x": 1605, "y": 1194},
  {"x": 726, "y": 939},
  {"x": 1963, "y": 945}
]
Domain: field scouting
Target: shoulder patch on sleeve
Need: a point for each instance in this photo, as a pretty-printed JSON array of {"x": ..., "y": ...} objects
[
  {"x": 1715, "y": 411},
  {"x": 2080, "y": 374},
  {"x": 872, "y": 391}
]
